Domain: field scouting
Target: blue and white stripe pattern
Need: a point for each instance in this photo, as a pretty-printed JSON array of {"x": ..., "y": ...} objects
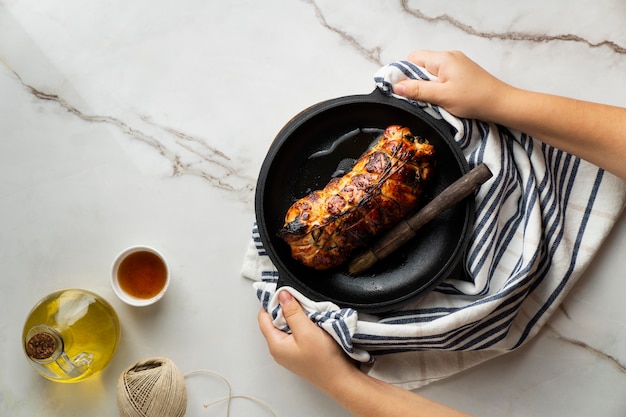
[{"x": 539, "y": 221}]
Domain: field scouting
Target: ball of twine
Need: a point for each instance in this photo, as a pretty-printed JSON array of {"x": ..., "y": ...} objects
[{"x": 151, "y": 388}]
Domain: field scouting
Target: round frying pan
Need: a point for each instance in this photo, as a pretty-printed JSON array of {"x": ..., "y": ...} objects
[{"x": 320, "y": 143}]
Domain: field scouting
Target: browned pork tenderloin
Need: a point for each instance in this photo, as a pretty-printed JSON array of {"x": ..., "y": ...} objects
[{"x": 325, "y": 227}]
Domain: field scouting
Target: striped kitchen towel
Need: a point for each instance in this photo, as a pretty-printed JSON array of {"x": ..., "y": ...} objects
[{"x": 539, "y": 220}]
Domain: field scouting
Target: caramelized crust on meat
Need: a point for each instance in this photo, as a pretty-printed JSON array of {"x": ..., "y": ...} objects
[{"x": 325, "y": 227}]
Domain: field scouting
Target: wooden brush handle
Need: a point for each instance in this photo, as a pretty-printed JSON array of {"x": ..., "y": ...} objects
[{"x": 407, "y": 228}]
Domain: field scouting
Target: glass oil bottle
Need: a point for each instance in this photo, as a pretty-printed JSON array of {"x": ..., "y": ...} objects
[{"x": 71, "y": 335}]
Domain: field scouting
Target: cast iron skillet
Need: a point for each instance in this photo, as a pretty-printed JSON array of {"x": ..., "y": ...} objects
[{"x": 304, "y": 156}]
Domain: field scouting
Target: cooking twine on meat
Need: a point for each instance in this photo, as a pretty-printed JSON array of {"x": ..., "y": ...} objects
[{"x": 156, "y": 388}]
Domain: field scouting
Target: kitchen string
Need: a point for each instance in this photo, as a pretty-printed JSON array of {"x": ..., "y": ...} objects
[{"x": 155, "y": 387}]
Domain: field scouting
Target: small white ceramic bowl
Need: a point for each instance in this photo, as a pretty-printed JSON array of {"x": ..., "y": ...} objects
[{"x": 140, "y": 276}]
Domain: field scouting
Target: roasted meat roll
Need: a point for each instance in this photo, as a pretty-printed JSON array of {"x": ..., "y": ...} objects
[{"x": 325, "y": 227}]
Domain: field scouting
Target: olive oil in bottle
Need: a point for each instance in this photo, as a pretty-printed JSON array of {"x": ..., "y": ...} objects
[{"x": 70, "y": 335}]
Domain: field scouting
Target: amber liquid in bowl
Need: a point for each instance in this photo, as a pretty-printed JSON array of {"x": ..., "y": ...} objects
[{"x": 142, "y": 274}]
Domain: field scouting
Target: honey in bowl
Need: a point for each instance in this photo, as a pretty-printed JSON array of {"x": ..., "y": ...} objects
[{"x": 140, "y": 276}]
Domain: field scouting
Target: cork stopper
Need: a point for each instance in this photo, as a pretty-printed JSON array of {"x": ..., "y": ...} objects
[{"x": 41, "y": 346}]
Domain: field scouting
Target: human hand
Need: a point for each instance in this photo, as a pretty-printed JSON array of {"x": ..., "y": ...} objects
[
  {"x": 308, "y": 351},
  {"x": 312, "y": 354},
  {"x": 463, "y": 88}
]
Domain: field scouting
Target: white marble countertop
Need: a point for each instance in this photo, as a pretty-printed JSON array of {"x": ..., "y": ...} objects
[{"x": 145, "y": 122}]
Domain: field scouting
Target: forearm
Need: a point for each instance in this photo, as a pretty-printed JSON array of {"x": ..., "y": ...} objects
[
  {"x": 594, "y": 132},
  {"x": 591, "y": 131},
  {"x": 365, "y": 396}
]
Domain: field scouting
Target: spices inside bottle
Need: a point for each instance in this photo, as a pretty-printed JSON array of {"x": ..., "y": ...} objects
[
  {"x": 41, "y": 346},
  {"x": 142, "y": 274}
]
